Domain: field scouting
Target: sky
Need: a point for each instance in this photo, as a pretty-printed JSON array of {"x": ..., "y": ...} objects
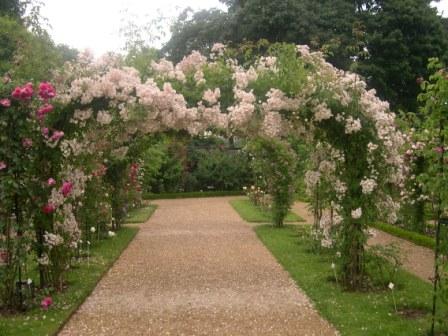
[{"x": 95, "y": 24}]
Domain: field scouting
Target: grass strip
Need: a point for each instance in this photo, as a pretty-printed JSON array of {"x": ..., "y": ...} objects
[
  {"x": 82, "y": 279},
  {"x": 141, "y": 215},
  {"x": 352, "y": 313},
  {"x": 253, "y": 214}
]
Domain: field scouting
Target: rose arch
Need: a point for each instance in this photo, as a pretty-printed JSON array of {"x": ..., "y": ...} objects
[{"x": 355, "y": 167}]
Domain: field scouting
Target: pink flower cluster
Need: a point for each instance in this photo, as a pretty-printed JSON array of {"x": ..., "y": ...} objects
[
  {"x": 23, "y": 92},
  {"x": 46, "y": 91}
]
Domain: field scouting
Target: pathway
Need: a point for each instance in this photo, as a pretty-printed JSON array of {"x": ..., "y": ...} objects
[
  {"x": 416, "y": 259},
  {"x": 195, "y": 268}
]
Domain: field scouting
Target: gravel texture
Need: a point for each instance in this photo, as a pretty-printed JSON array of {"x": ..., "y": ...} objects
[
  {"x": 195, "y": 268},
  {"x": 416, "y": 259}
]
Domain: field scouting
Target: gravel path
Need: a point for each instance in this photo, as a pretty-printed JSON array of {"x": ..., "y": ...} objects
[
  {"x": 195, "y": 268},
  {"x": 416, "y": 259}
]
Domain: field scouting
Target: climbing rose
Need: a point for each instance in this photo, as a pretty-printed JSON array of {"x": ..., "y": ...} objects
[
  {"x": 27, "y": 143},
  {"x": 45, "y": 131},
  {"x": 5, "y": 102},
  {"x": 57, "y": 135},
  {"x": 46, "y": 302},
  {"x": 47, "y": 108},
  {"x": 51, "y": 182},
  {"x": 46, "y": 90},
  {"x": 66, "y": 188},
  {"x": 48, "y": 208},
  {"x": 23, "y": 92},
  {"x": 2, "y": 165}
]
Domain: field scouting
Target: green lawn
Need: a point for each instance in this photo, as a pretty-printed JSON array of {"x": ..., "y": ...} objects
[
  {"x": 141, "y": 215},
  {"x": 82, "y": 279},
  {"x": 352, "y": 313},
  {"x": 251, "y": 213}
]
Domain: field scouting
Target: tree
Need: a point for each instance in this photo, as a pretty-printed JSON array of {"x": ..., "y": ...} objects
[
  {"x": 12, "y": 8},
  {"x": 401, "y": 36},
  {"x": 197, "y": 32},
  {"x": 389, "y": 42}
]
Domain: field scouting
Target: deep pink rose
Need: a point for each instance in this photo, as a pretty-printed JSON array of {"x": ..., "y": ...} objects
[
  {"x": 48, "y": 208},
  {"x": 27, "y": 143},
  {"x": 46, "y": 90},
  {"x": 56, "y": 135},
  {"x": 41, "y": 112},
  {"x": 45, "y": 131},
  {"x": 51, "y": 182},
  {"x": 23, "y": 92},
  {"x": 5, "y": 102},
  {"x": 66, "y": 188},
  {"x": 3, "y": 165},
  {"x": 46, "y": 302}
]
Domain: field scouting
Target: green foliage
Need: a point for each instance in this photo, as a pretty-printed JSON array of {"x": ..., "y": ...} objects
[
  {"x": 401, "y": 36},
  {"x": 274, "y": 165},
  {"x": 82, "y": 279},
  {"x": 352, "y": 313},
  {"x": 254, "y": 214},
  {"x": 413, "y": 237},
  {"x": 26, "y": 56},
  {"x": 173, "y": 164},
  {"x": 197, "y": 32}
]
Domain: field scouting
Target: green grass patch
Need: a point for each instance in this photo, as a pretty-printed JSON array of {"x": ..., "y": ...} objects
[
  {"x": 352, "y": 313},
  {"x": 141, "y": 215},
  {"x": 414, "y": 237},
  {"x": 195, "y": 194},
  {"x": 82, "y": 279},
  {"x": 253, "y": 214}
]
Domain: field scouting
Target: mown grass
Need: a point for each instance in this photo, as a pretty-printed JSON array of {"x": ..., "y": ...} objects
[
  {"x": 141, "y": 215},
  {"x": 82, "y": 279},
  {"x": 195, "y": 194},
  {"x": 352, "y": 313},
  {"x": 253, "y": 214}
]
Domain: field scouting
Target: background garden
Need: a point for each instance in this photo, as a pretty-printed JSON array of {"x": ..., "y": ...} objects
[{"x": 340, "y": 104}]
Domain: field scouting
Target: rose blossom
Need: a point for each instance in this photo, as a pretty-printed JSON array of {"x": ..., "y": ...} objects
[
  {"x": 46, "y": 302},
  {"x": 23, "y": 92},
  {"x": 48, "y": 208},
  {"x": 45, "y": 131},
  {"x": 57, "y": 135},
  {"x": 3, "y": 165},
  {"x": 45, "y": 109},
  {"x": 5, "y": 102},
  {"x": 46, "y": 90},
  {"x": 66, "y": 188},
  {"x": 51, "y": 182},
  {"x": 27, "y": 143}
]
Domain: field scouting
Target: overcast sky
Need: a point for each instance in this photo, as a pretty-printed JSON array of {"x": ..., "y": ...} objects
[{"x": 95, "y": 24}]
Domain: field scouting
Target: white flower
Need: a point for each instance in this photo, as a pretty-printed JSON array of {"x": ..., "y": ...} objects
[
  {"x": 29, "y": 282},
  {"x": 357, "y": 213},
  {"x": 352, "y": 125},
  {"x": 368, "y": 186},
  {"x": 333, "y": 265},
  {"x": 92, "y": 229},
  {"x": 111, "y": 234},
  {"x": 391, "y": 286}
]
